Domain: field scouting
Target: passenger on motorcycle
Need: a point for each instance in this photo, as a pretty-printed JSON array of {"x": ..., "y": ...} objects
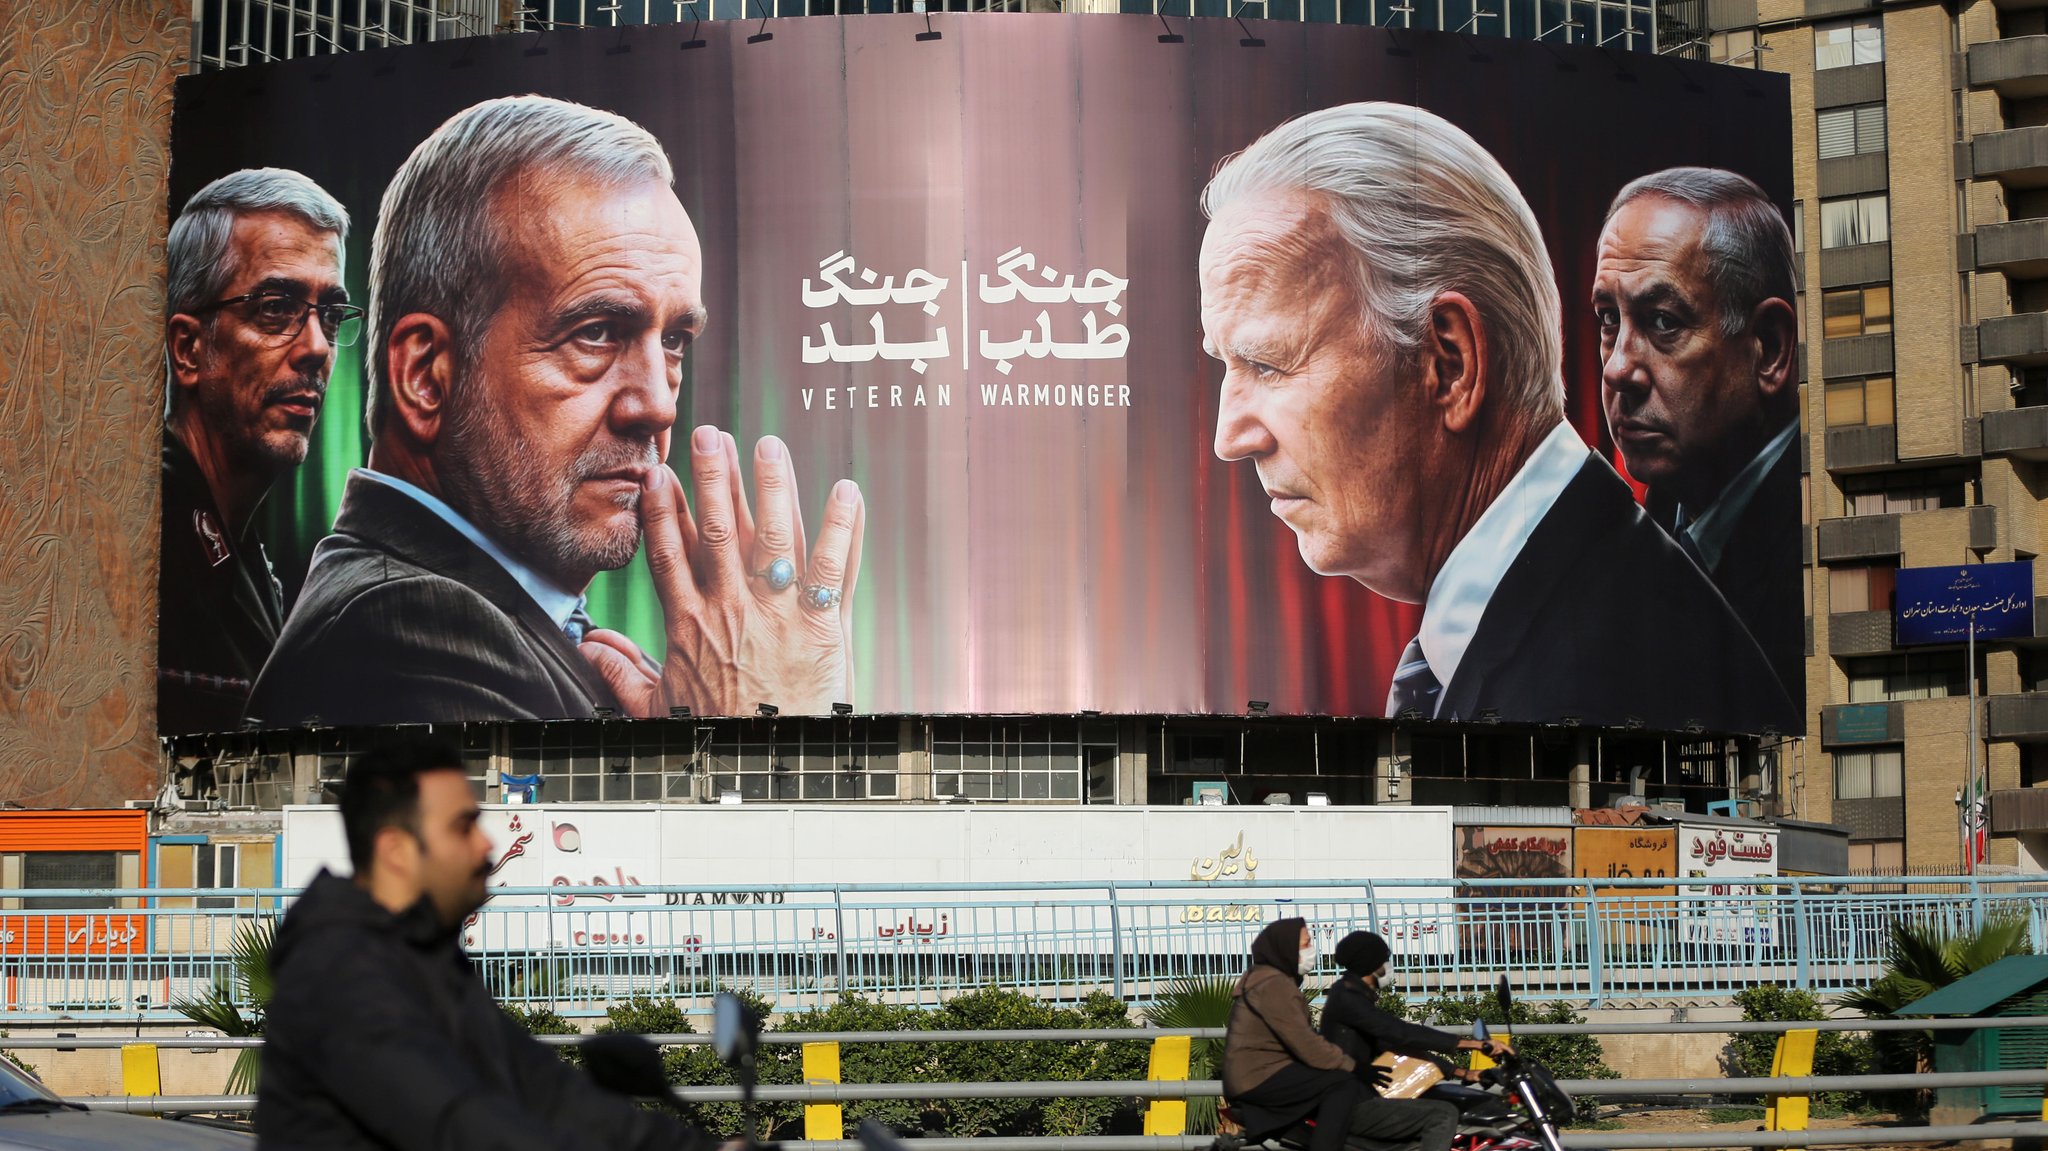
[
  {"x": 1277, "y": 1071},
  {"x": 1354, "y": 1022}
]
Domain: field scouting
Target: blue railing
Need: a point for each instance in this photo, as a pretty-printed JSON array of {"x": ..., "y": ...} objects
[{"x": 132, "y": 954}]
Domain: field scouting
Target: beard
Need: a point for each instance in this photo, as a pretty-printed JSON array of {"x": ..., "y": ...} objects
[{"x": 494, "y": 475}]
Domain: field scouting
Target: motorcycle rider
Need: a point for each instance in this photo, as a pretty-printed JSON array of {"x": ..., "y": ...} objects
[
  {"x": 1354, "y": 1022},
  {"x": 380, "y": 1035},
  {"x": 1276, "y": 1070}
]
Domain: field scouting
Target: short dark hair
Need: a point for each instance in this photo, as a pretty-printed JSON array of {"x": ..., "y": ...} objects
[{"x": 382, "y": 789}]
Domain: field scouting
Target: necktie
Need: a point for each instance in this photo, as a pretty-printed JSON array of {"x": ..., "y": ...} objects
[
  {"x": 577, "y": 625},
  {"x": 1681, "y": 528},
  {"x": 1414, "y": 684}
]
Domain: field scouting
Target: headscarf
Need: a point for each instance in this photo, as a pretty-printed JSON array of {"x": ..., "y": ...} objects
[{"x": 1279, "y": 946}]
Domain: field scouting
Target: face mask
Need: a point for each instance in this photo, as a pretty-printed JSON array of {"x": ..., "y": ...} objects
[
  {"x": 1307, "y": 963},
  {"x": 1385, "y": 978}
]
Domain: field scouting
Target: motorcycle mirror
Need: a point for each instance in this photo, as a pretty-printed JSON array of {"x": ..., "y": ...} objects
[
  {"x": 733, "y": 1029},
  {"x": 626, "y": 1064},
  {"x": 1479, "y": 1030},
  {"x": 1506, "y": 998}
]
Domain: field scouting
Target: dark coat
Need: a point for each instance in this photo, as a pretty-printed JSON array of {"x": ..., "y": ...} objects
[
  {"x": 1353, "y": 1020},
  {"x": 220, "y": 607},
  {"x": 380, "y": 1035},
  {"x": 1759, "y": 572},
  {"x": 404, "y": 620},
  {"x": 1602, "y": 617}
]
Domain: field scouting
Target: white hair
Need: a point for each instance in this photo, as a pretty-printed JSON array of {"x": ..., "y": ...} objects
[
  {"x": 1426, "y": 210},
  {"x": 440, "y": 246},
  {"x": 1747, "y": 245}
]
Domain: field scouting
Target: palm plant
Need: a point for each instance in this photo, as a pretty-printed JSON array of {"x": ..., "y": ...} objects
[
  {"x": 1923, "y": 957},
  {"x": 1197, "y": 1001},
  {"x": 235, "y": 1004}
]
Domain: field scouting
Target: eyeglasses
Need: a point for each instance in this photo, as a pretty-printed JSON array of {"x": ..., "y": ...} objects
[{"x": 284, "y": 317}]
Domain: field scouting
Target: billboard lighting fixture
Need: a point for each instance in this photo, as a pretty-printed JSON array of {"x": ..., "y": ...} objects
[
  {"x": 1571, "y": 721},
  {"x": 729, "y": 798},
  {"x": 1569, "y": 22},
  {"x": 1632, "y": 723},
  {"x": 842, "y": 709},
  {"x": 1478, "y": 14},
  {"x": 679, "y": 712},
  {"x": 767, "y": 710},
  {"x": 1257, "y": 706},
  {"x": 1399, "y": 10},
  {"x": 1488, "y": 715},
  {"x": 1090, "y": 711},
  {"x": 605, "y": 712},
  {"x": 1695, "y": 727},
  {"x": 1409, "y": 712}
]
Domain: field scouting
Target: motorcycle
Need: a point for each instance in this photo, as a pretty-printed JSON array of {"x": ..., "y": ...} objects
[{"x": 1517, "y": 1105}]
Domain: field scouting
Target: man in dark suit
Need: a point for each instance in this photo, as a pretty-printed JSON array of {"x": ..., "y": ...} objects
[
  {"x": 1392, "y": 370},
  {"x": 534, "y": 286},
  {"x": 255, "y": 307},
  {"x": 1698, "y": 336}
]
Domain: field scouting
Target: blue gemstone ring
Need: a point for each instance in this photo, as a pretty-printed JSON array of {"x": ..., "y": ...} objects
[
  {"x": 780, "y": 575},
  {"x": 818, "y": 597}
]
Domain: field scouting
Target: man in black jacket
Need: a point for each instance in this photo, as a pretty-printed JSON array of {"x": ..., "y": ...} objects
[
  {"x": 380, "y": 1035},
  {"x": 1353, "y": 1020}
]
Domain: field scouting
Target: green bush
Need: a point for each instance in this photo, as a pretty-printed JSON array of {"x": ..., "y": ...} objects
[
  {"x": 877, "y": 1062},
  {"x": 1567, "y": 1056},
  {"x": 994, "y": 1008},
  {"x": 1834, "y": 1052}
]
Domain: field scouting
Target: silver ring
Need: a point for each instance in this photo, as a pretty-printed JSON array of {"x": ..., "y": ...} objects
[
  {"x": 819, "y": 597},
  {"x": 779, "y": 576}
]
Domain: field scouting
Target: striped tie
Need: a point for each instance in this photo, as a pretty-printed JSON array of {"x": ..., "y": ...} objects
[
  {"x": 577, "y": 625},
  {"x": 1414, "y": 686}
]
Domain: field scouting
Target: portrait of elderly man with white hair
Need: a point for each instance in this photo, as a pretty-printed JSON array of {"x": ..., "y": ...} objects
[
  {"x": 534, "y": 286},
  {"x": 1381, "y": 299}
]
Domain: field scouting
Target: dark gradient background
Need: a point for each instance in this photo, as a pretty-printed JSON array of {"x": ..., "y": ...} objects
[{"x": 1017, "y": 559}]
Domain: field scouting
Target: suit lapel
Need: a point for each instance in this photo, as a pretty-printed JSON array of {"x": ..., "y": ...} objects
[
  {"x": 1583, "y": 512},
  {"x": 401, "y": 525}
]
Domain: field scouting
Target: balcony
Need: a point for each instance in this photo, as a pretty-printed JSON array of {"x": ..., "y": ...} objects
[
  {"x": 1983, "y": 527},
  {"x": 2021, "y": 433},
  {"x": 1859, "y": 632},
  {"x": 2017, "y": 717},
  {"x": 1862, "y": 449},
  {"x": 2016, "y": 68},
  {"x": 1849, "y": 538},
  {"x": 1858, "y": 263},
  {"x": 2018, "y": 248},
  {"x": 2019, "y": 809},
  {"x": 1838, "y": 87},
  {"x": 2017, "y": 158},
  {"x": 1847, "y": 724},
  {"x": 2020, "y": 340},
  {"x": 1857, "y": 355}
]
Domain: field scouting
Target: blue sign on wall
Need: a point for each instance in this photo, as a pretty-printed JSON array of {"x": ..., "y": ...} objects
[{"x": 1938, "y": 605}]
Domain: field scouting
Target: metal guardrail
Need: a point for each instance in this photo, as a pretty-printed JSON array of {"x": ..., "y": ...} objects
[
  {"x": 576, "y": 950},
  {"x": 819, "y": 1092}
]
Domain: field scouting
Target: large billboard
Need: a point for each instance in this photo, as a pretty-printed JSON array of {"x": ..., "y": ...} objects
[{"x": 1021, "y": 364}]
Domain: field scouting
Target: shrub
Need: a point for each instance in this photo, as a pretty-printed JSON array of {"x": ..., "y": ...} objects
[{"x": 1834, "y": 1052}]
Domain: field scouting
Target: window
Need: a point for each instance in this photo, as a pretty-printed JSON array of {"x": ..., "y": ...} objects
[
  {"x": 1799, "y": 231},
  {"x": 1859, "y": 403},
  {"x": 1851, "y": 131},
  {"x": 1022, "y": 759},
  {"x": 813, "y": 759},
  {"x": 1861, "y": 587},
  {"x": 1878, "y": 857},
  {"x": 68, "y": 869},
  {"x": 1737, "y": 47},
  {"x": 1855, "y": 220},
  {"x": 1919, "y": 675},
  {"x": 1872, "y": 773},
  {"x": 1848, "y": 43},
  {"x": 1848, "y": 312},
  {"x": 1887, "y": 493}
]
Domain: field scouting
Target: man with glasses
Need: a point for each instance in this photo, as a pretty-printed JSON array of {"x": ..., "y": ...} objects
[{"x": 254, "y": 310}]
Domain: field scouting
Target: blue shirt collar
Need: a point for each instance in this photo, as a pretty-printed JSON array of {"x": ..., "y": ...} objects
[{"x": 558, "y": 604}]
